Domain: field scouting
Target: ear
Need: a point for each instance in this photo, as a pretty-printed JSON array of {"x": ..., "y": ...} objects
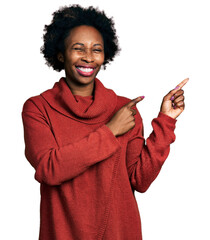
[{"x": 60, "y": 57}]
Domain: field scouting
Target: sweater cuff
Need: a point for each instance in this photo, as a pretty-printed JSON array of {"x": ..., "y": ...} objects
[
  {"x": 167, "y": 125},
  {"x": 165, "y": 117},
  {"x": 111, "y": 135}
]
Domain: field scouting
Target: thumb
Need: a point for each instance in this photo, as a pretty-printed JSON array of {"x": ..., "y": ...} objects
[{"x": 134, "y": 101}]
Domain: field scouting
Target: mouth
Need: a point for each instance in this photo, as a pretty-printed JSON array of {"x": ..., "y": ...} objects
[{"x": 85, "y": 71}]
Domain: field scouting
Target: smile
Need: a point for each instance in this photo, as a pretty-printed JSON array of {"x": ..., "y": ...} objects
[{"x": 85, "y": 71}]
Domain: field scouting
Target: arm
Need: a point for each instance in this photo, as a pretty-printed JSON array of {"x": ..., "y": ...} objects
[
  {"x": 54, "y": 164},
  {"x": 145, "y": 159}
]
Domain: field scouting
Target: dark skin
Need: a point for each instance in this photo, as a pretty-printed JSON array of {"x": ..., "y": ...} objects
[
  {"x": 84, "y": 46},
  {"x": 172, "y": 105}
]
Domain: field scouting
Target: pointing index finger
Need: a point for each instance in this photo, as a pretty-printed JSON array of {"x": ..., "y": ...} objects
[
  {"x": 181, "y": 85},
  {"x": 134, "y": 101}
]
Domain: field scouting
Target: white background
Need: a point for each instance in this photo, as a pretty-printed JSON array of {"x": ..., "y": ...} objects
[{"x": 162, "y": 43}]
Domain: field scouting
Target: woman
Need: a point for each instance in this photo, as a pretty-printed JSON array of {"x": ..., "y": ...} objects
[{"x": 85, "y": 142}]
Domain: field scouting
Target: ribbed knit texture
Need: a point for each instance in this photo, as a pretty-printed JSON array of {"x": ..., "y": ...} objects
[
  {"x": 88, "y": 176},
  {"x": 61, "y": 98}
]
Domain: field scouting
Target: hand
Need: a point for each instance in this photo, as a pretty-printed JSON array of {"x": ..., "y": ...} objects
[
  {"x": 173, "y": 103},
  {"x": 124, "y": 120}
]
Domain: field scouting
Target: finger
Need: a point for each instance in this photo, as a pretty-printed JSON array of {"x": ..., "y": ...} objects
[
  {"x": 133, "y": 111},
  {"x": 177, "y": 94},
  {"x": 181, "y": 85},
  {"x": 179, "y": 99},
  {"x": 169, "y": 96},
  {"x": 179, "y": 105},
  {"x": 134, "y": 101},
  {"x": 131, "y": 120}
]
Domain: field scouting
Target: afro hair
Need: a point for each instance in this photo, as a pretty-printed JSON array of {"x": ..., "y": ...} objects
[{"x": 65, "y": 19}]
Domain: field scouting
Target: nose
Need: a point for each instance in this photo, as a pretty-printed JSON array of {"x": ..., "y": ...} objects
[{"x": 88, "y": 56}]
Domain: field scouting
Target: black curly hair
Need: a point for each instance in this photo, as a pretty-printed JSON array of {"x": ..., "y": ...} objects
[{"x": 67, "y": 18}]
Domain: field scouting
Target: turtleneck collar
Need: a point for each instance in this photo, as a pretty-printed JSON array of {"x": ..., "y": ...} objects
[{"x": 90, "y": 109}]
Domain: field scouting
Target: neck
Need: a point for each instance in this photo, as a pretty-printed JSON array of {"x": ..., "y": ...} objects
[{"x": 81, "y": 90}]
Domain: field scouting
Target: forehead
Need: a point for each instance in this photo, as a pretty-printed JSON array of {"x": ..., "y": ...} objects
[{"x": 84, "y": 34}]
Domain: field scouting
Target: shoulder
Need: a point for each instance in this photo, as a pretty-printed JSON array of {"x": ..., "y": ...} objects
[
  {"x": 37, "y": 102},
  {"x": 33, "y": 104}
]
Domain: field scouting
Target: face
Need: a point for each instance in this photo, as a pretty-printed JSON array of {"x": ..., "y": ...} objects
[{"x": 84, "y": 55}]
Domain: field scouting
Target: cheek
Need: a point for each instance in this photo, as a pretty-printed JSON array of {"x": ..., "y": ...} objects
[
  {"x": 71, "y": 57},
  {"x": 70, "y": 61},
  {"x": 100, "y": 59}
]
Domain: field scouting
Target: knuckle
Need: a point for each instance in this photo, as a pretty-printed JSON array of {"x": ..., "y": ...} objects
[
  {"x": 180, "y": 104},
  {"x": 132, "y": 118},
  {"x": 133, "y": 122},
  {"x": 129, "y": 113},
  {"x": 125, "y": 110}
]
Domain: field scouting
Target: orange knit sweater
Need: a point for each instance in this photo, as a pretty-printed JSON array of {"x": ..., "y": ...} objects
[{"x": 88, "y": 176}]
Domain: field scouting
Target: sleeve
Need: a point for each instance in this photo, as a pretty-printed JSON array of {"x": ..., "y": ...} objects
[
  {"x": 144, "y": 159},
  {"x": 53, "y": 164}
]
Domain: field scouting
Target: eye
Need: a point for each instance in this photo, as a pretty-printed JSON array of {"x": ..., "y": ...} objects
[
  {"x": 78, "y": 49},
  {"x": 97, "y": 50}
]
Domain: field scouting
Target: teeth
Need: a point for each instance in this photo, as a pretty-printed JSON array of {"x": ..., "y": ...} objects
[{"x": 85, "y": 69}]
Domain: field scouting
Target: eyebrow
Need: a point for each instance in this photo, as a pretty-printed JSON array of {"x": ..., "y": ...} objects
[{"x": 81, "y": 44}]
